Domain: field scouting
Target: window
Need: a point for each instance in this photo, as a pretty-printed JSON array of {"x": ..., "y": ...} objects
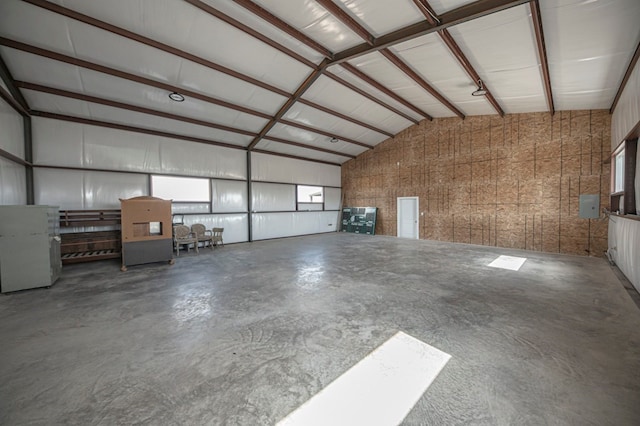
[
  {"x": 310, "y": 194},
  {"x": 181, "y": 189},
  {"x": 623, "y": 169},
  {"x": 618, "y": 166}
]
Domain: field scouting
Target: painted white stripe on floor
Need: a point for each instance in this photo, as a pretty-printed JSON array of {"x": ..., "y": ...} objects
[
  {"x": 380, "y": 389},
  {"x": 508, "y": 262}
]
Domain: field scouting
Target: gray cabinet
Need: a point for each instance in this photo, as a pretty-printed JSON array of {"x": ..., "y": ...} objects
[{"x": 29, "y": 247}]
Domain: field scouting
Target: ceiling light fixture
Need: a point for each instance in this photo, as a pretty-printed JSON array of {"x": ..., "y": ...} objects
[
  {"x": 175, "y": 96},
  {"x": 333, "y": 140},
  {"x": 481, "y": 91}
]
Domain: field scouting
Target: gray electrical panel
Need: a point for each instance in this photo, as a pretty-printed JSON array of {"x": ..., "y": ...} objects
[
  {"x": 589, "y": 206},
  {"x": 29, "y": 247}
]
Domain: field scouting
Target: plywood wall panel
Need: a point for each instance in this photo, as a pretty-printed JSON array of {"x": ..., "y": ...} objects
[
  {"x": 510, "y": 181},
  {"x": 580, "y": 123},
  {"x": 571, "y": 147}
]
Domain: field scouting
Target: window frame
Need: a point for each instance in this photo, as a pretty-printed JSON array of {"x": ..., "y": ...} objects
[{"x": 622, "y": 191}]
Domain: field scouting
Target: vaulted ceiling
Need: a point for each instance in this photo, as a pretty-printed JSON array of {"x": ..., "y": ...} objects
[{"x": 323, "y": 80}]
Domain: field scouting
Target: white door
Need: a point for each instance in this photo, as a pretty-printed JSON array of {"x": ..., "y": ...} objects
[{"x": 408, "y": 217}]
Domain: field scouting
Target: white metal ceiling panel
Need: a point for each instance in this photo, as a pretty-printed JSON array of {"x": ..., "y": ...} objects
[
  {"x": 331, "y": 94},
  {"x": 60, "y": 105},
  {"x": 432, "y": 58},
  {"x": 379, "y": 68},
  {"x": 589, "y": 46},
  {"x": 281, "y": 148},
  {"x": 627, "y": 114},
  {"x": 50, "y": 30},
  {"x": 442, "y": 6},
  {"x": 383, "y": 16},
  {"x": 314, "y": 21},
  {"x": 295, "y": 134},
  {"x": 342, "y": 73},
  {"x": 502, "y": 48},
  {"x": 34, "y": 69},
  {"x": 107, "y": 48},
  {"x": 4, "y": 86},
  {"x": 188, "y": 28},
  {"x": 103, "y": 47},
  {"x": 241, "y": 14},
  {"x": 221, "y": 86},
  {"x": 303, "y": 114}
]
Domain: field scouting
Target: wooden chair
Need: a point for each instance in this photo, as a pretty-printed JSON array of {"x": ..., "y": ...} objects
[
  {"x": 202, "y": 234},
  {"x": 182, "y": 235},
  {"x": 217, "y": 236}
]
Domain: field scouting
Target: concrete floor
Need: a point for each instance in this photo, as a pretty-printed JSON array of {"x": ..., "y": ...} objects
[{"x": 247, "y": 333}]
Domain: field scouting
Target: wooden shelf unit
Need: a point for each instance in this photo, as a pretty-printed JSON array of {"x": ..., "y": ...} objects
[{"x": 77, "y": 247}]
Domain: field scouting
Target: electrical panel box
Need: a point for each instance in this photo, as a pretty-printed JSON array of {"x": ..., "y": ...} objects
[
  {"x": 359, "y": 220},
  {"x": 590, "y": 206}
]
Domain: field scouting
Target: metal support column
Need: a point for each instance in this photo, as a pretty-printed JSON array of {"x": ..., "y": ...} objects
[
  {"x": 249, "y": 197},
  {"x": 28, "y": 157}
]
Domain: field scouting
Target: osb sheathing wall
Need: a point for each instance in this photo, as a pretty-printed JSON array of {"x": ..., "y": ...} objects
[{"x": 509, "y": 182}]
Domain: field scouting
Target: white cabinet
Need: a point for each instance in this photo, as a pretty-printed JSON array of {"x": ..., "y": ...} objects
[{"x": 29, "y": 247}]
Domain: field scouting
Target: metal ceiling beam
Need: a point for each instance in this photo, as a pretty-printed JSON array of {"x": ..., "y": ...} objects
[
  {"x": 395, "y": 60},
  {"x": 453, "y": 17},
  {"x": 204, "y": 62},
  {"x": 129, "y": 107},
  {"x": 52, "y": 7},
  {"x": 141, "y": 130},
  {"x": 324, "y": 133},
  {"x": 14, "y": 158},
  {"x": 311, "y": 78},
  {"x": 301, "y": 145},
  {"x": 625, "y": 79},
  {"x": 446, "y": 37},
  {"x": 346, "y": 19},
  {"x": 457, "y": 52},
  {"x": 369, "y": 80},
  {"x": 254, "y": 33},
  {"x": 303, "y": 38},
  {"x": 15, "y": 99},
  {"x": 283, "y": 26},
  {"x": 6, "y": 96},
  {"x": 127, "y": 76},
  {"x": 542, "y": 53},
  {"x": 345, "y": 117},
  {"x": 369, "y": 96},
  {"x": 146, "y": 81},
  {"x": 99, "y": 123}
]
